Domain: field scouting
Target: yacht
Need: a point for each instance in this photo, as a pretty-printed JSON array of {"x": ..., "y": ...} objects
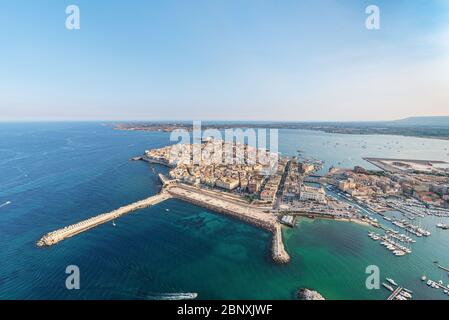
[
  {"x": 406, "y": 294},
  {"x": 392, "y": 282},
  {"x": 387, "y": 286}
]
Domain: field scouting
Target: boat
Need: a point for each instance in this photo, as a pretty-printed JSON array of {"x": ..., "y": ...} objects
[
  {"x": 392, "y": 282},
  {"x": 407, "y": 290},
  {"x": 175, "y": 296},
  {"x": 423, "y": 278},
  {"x": 406, "y": 295},
  {"x": 167, "y": 210},
  {"x": 387, "y": 286},
  {"x": 113, "y": 223}
]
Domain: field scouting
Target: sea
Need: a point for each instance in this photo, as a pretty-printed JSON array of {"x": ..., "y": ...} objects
[{"x": 56, "y": 174}]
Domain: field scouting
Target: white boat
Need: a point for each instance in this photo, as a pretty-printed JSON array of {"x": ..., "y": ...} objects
[
  {"x": 387, "y": 286},
  {"x": 406, "y": 294},
  {"x": 113, "y": 223},
  {"x": 392, "y": 282},
  {"x": 423, "y": 278}
]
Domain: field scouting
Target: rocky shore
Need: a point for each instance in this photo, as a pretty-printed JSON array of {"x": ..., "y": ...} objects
[{"x": 307, "y": 294}]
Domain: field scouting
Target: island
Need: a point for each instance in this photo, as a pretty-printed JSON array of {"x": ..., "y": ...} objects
[{"x": 270, "y": 191}]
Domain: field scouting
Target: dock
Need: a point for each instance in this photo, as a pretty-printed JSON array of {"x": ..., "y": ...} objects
[{"x": 395, "y": 293}]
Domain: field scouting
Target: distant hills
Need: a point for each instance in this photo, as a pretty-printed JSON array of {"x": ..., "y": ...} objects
[
  {"x": 436, "y": 127},
  {"x": 435, "y": 121}
]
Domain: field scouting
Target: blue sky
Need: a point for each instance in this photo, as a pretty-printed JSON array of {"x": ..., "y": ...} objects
[{"x": 223, "y": 60}]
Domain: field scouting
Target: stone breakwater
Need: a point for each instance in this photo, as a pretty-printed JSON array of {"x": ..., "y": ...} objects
[
  {"x": 54, "y": 237},
  {"x": 246, "y": 213},
  {"x": 215, "y": 201}
]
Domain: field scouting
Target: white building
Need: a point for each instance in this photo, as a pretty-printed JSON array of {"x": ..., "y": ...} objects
[{"x": 311, "y": 193}]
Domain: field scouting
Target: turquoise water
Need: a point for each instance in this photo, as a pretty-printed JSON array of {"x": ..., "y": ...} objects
[{"x": 56, "y": 174}]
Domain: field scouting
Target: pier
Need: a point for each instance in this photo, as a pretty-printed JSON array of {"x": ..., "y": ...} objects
[
  {"x": 213, "y": 200},
  {"x": 54, "y": 237}
]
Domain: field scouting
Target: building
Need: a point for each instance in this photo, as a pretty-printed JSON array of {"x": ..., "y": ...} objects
[
  {"x": 313, "y": 194},
  {"x": 227, "y": 183}
]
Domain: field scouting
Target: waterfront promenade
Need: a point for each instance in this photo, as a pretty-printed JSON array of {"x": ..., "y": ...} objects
[{"x": 213, "y": 200}]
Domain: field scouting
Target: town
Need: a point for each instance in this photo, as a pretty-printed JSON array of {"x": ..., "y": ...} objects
[{"x": 288, "y": 186}]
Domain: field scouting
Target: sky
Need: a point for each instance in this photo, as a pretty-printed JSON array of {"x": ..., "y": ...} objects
[{"x": 285, "y": 60}]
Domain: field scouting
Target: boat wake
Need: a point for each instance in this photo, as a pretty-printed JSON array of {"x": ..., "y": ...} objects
[
  {"x": 174, "y": 296},
  {"x": 5, "y": 204}
]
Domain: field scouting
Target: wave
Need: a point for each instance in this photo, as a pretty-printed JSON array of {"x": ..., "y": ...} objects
[{"x": 5, "y": 204}]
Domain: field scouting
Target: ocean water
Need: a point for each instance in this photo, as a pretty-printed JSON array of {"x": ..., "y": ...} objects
[{"x": 55, "y": 174}]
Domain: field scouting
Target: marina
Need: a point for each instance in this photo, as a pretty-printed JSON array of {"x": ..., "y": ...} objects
[
  {"x": 397, "y": 292},
  {"x": 397, "y": 249}
]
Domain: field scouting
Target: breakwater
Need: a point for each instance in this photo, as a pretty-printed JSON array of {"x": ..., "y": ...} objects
[
  {"x": 203, "y": 198},
  {"x": 56, "y": 236}
]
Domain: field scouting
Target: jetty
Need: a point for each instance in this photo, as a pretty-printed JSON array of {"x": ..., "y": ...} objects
[
  {"x": 56, "y": 236},
  {"x": 209, "y": 199}
]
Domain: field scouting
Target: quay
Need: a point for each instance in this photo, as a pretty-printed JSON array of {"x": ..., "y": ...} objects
[
  {"x": 395, "y": 293},
  {"x": 213, "y": 200},
  {"x": 56, "y": 236}
]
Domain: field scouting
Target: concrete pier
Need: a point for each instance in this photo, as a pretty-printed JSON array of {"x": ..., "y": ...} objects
[
  {"x": 209, "y": 199},
  {"x": 56, "y": 236}
]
